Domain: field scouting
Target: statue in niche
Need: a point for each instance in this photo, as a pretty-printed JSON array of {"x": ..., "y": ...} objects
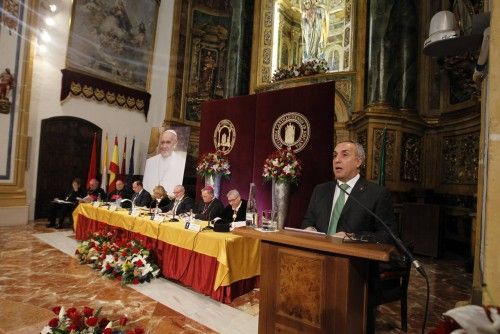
[
  {"x": 314, "y": 29},
  {"x": 207, "y": 72}
]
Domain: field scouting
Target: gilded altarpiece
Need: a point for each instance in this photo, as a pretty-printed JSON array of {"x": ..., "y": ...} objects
[
  {"x": 411, "y": 155},
  {"x": 201, "y": 56},
  {"x": 460, "y": 159}
]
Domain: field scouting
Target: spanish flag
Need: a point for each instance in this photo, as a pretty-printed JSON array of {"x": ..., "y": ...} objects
[{"x": 114, "y": 169}]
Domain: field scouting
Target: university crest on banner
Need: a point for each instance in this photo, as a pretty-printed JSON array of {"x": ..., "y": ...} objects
[
  {"x": 291, "y": 130},
  {"x": 224, "y": 136}
]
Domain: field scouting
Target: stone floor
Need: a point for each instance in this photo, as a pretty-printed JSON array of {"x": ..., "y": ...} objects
[{"x": 38, "y": 272}]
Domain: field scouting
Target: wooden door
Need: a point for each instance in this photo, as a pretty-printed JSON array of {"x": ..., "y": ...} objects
[{"x": 65, "y": 150}]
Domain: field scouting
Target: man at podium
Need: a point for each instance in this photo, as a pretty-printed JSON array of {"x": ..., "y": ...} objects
[{"x": 333, "y": 212}]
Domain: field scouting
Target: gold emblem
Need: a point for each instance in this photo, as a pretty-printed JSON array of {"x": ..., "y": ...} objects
[
  {"x": 291, "y": 130},
  {"x": 224, "y": 136}
]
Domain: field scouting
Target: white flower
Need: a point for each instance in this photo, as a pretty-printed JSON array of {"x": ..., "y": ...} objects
[{"x": 46, "y": 330}]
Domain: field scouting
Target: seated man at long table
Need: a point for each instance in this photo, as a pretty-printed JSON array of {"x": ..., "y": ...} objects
[
  {"x": 236, "y": 209},
  {"x": 181, "y": 202},
  {"x": 211, "y": 207}
]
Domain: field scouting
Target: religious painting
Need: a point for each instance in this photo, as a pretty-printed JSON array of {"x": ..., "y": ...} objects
[
  {"x": 113, "y": 40},
  {"x": 209, "y": 51}
]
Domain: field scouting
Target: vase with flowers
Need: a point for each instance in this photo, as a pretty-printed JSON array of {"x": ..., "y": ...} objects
[
  {"x": 213, "y": 166},
  {"x": 282, "y": 168}
]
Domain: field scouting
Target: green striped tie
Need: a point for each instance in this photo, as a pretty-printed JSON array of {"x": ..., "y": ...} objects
[{"x": 337, "y": 210}]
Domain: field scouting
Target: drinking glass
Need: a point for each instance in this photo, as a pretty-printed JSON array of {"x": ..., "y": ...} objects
[{"x": 269, "y": 220}]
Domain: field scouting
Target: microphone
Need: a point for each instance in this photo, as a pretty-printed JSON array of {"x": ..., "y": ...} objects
[{"x": 395, "y": 238}]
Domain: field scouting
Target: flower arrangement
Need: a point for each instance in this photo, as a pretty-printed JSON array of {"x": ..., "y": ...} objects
[
  {"x": 126, "y": 261},
  {"x": 308, "y": 67},
  {"x": 72, "y": 321},
  {"x": 282, "y": 166},
  {"x": 212, "y": 164}
]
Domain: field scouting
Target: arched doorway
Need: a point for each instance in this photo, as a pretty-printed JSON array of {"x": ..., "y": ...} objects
[{"x": 65, "y": 149}]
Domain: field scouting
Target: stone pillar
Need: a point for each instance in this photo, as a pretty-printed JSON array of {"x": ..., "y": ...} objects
[{"x": 392, "y": 45}]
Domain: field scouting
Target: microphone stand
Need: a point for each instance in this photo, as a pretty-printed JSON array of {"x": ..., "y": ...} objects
[
  {"x": 399, "y": 244},
  {"x": 395, "y": 238}
]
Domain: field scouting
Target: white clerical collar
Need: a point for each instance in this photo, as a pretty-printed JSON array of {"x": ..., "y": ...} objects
[{"x": 238, "y": 207}]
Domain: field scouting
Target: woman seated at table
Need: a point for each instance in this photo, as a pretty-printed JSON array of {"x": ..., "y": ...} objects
[{"x": 160, "y": 199}]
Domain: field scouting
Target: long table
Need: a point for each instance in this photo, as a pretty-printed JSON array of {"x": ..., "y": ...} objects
[{"x": 220, "y": 265}]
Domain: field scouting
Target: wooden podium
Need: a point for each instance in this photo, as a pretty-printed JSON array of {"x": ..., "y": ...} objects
[{"x": 312, "y": 283}]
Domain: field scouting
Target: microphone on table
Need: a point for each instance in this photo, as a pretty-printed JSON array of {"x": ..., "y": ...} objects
[{"x": 395, "y": 238}]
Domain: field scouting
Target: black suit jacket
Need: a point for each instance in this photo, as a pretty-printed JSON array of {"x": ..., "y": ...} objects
[
  {"x": 214, "y": 209},
  {"x": 95, "y": 194},
  {"x": 142, "y": 199},
  {"x": 354, "y": 218},
  {"x": 184, "y": 206},
  {"x": 117, "y": 194},
  {"x": 227, "y": 215},
  {"x": 164, "y": 202}
]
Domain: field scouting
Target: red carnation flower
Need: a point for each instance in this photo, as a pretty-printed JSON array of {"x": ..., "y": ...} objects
[
  {"x": 129, "y": 332},
  {"x": 53, "y": 322},
  {"x": 87, "y": 311},
  {"x": 124, "y": 253},
  {"x": 72, "y": 327},
  {"x": 123, "y": 320},
  {"x": 139, "y": 263},
  {"x": 136, "y": 250},
  {"x": 139, "y": 330},
  {"x": 107, "y": 331},
  {"x": 91, "y": 322},
  {"x": 56, "y": 310},
  {"x": 135, "y": 281}
]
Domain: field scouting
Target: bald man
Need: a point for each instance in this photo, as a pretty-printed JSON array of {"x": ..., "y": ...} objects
[{"x": 167, "y": 167}]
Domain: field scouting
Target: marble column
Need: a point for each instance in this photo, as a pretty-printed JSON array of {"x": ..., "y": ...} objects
[{"x": 392, "y": 53}]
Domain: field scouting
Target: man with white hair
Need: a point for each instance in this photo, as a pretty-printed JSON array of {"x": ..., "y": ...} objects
[{"x": 167, "y": 167}]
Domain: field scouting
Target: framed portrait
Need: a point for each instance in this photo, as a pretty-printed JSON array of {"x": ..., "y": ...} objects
[{"x": 113, "y": 40}]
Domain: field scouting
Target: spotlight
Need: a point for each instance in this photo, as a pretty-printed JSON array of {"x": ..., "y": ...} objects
[
  {"x": 50, "y": 21},
  {"x": 45, "y": 36},
  {"x": 53, "y": 8}
]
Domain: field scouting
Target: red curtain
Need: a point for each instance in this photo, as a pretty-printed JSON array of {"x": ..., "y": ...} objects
[{"x": 253, "y": 117}]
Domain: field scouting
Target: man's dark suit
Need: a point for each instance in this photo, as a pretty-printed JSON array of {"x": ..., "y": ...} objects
[
  {"x": 184, "y": 206},
  {"x": 227, "y": 214},
  {"x": 118, "y": 194},
  {"x": 357, "y": 220},
  {"x": 353, "y": 219},
  {"x": 162, "y": 205},
  {"x": 209, "y": 211},
  {"x": 142, "y": 198}
]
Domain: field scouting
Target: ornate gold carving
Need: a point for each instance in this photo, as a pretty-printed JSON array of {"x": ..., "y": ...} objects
[
  {"x": 295, "y": 299},
  {"x": 110, "y": 97},
  {"x": 268, "y": 38},
  {"x": 139, "y": 103},
  {"x": 411, "y": 153},
  {"x": 267, "y": 56},
  {"x": 99, "y": 94},
  {"x": 362, "y": 138},
  {"x": 120, "y": 99},
  {"x": 76, "y": 88},
  {"x": 11, "y": 14},
  {"x": 87, "y": 91},
  {"x": 389, "y": 153},
  {"x": 461, "y": 157}
]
